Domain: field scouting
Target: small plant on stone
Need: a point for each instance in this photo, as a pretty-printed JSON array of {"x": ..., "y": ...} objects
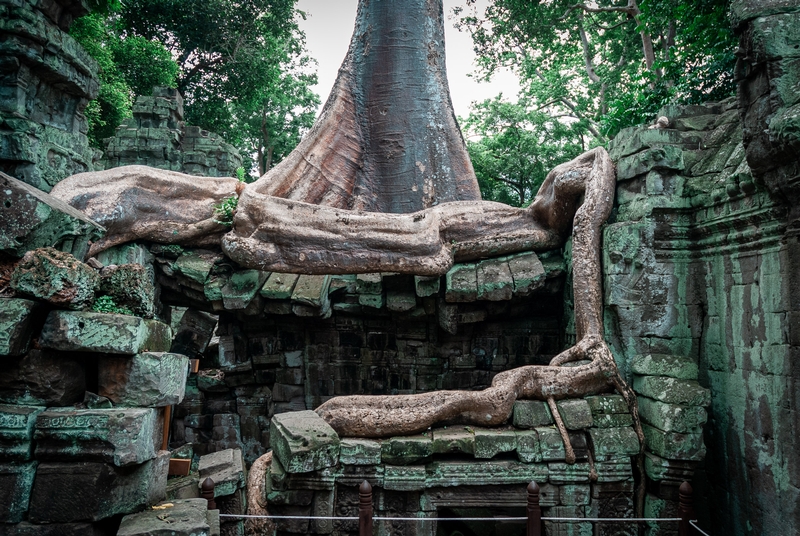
[
  {"x": 106, "y": 304},
  {"x": 225, "y": 209}
]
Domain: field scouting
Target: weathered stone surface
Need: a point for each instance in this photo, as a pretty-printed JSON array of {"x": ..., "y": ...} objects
[
  {"x": 195, "y": 265},
  {"x": 130, "y": 253},
  {"x": 672, "y": 417},
  {"x": 674, "y": 366},
  {"x": 575, "y": 413},
  {"x": 531, "y": 413},
  {"x": 607, "y": 405},
  {"x": 212, "y": 381},
  {"x": 478, "y": 473},
  {"x": 18, "y": 318},
  {"x": 664, "y": 158},
  {"x": 131, "y": 286},
  {"x": 359, "y": 451},
  {"x": 184, "y": 487},
  {"x": 31, "y": 219},
  {"x": 676, "y": 471},
  {"x": 673, "y": 445},
  {"x": 182, "y": 517},
  {"x": 427, "y": 286},
  {"x": 453, "y": 439},
  {"x": 105, "y": 333},
  {"x": 528, "y": 448},
  {"x": 406, "y": 450},
  {"x": 16, "y": 432},
  {"x": 193, "y": 333},
  {"x": 96, "y": 490},
  {"x": 226, "y": 469},
  {"x": 527, "y": 272},
  {"x": 494, "y": 280},
  {"x": 118, "y": 436},
  {"x": 150, "y": 379},
  {"x": 461, "y": 284},
  {"x": 672, "y": 391},
  {"x": 491, "y": 442},
  {"x": 241, "y": 288},
  {"x": 303, "y": 441},
  {"x": 42, "y": 378},
  {"x": 51, "y": 529},
  {"x": 279, "y": 286},
  {"x": 16, "y": 481},
  {"x": 620, "y": 441},
  {"x": 55, "y": 277}
]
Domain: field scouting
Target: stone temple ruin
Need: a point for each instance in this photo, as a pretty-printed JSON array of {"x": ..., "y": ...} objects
[{"x": 268, "y": 337}]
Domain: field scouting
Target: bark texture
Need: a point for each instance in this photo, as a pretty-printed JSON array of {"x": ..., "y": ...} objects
[
  {"x": 257, "y": 497},
  {"x": 387, "y": 139},
  {"x": 143, "y": 203}
]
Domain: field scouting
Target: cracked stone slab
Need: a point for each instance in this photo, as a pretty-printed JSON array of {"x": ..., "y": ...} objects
[{"x": 303, "y": 441}]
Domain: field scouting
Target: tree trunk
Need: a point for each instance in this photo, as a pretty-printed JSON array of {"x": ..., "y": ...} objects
[{"x": 387, "y": 139}]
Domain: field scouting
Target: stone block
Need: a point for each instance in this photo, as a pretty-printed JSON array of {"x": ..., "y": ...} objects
[
  {"x": 528, "y": 448},
  {"x": 43, "y": 378},
  {"x": 575, "y": 413},
  {"x": 18, "y": 319},
  {"x": 427, "y": 286},
  {"x": 226, "y": 469},
  {"x": 660, "y": 469},
  {"x": 490, "y": 442},
  {"x": 55, "y": 277},
  {"x": 119, "y": 436},
  {"x": 279, "y": 286},
  {"x": 195, "y": 265},
  {"x": 131, "y": 286},
  {"x": 552, "y": 445},
  {"x": 105, "y": 333},
  {"x": 182, "y": 517},
  {"x": 16, "y": 481},
  {"x": 668, "y": 158},
  {"x": 241, "y": 288},
  {"x": 406, "y": 450},
  {"x": 672, "y": 417},
  {"x": 674, "y": 366},
  {"x": 614, "y": 420},
  {"x": 150, "y": 379},
  {"x": 575, "y": 494},
  {"x": 527, "y": 272},
  {"x": 16, "y": 432},
  {"x": 193, "y": 333},
  {"x": 564, "y": 473},
  {"x": 369, "y": 283},
  {"x": 126, "y": 254},
  {"x": 531, "y": 413},
  {"x": 672, "y": 390},
  {"x": 184, "y": 487},
  {"x": 96, "y": 490},
  {"x": 303, "y": 441},
  {"x": 453, "y": 439},
  {"x": 404, "y": 477},
  {"x": 360, "y": 452},
  {"x": 607, "y": 405},
  {"x": 674, "y": 446},
  {"x": 400, "y": 301},
  {"x": 31, "y": 219},
  {"x": 51, "y": 529},
  {"x": 494, "y": 281},
  {"x": 211, "y": 381},
  {"x": 613, "y": 442},
  {"x": 461, "y": 283}
]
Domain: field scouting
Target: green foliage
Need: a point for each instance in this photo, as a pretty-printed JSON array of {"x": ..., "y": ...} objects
[
  {"x": 106, "y": 304},
  {"x": 513, "y": 147},
  {"x": 587, "y": 61},
  {"x": 129, "y": 66},
  {"x": 225, "y": 210},
  {"x": 242, "y": 68}
]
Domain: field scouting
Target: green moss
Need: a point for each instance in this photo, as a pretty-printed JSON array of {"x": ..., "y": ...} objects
[{"x": 106, "y": 304}]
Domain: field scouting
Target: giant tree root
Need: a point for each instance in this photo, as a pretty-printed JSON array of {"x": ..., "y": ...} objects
[{"x": 257, "y": 497}]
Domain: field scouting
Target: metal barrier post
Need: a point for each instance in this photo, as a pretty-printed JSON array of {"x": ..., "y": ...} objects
[
  {"x": 207, "y": 492},
  {"x": 685, "y": 509},
  {"x": 365, "y": 509},
  {"x": 534, "y": 526}
]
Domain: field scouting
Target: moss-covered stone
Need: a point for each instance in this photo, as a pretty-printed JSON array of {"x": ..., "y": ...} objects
[
  {"x": 461, "y": 284},
  {"x": 672, "y": 391},
  {"x": 43, "y": 378},
  {"x": 494, "y": 281},
  {"x": 118, "y": 436},
  {"x": 303, "y": 441},
  {"x": 226, "y": 468},
  {"x": 575, "y": 413},
  {"x": 17, "y": 321},
  {"x": 673, "y": 445},
  {"x": 56, "y": 277},
  {"x": 527, "y": 272},
  {"x": 105, "y": 333},
  {"x": 528, "y": 448},
  {"x": 194, "y": 266},
  {"x": 131, "y": 286},
  {"x": 16, "y": 481},
  {"x": 16, "y": 432},
  {"x": 184, "y": 517},
  {"x": 612, "y": 442},
  {"x": 359, "y": 451},
  {"x": 453, "y": 439},
  {"x": 406, "y": 450},
  {"x": 531, "y": 413},
  {"x": 490, "y": 442},
  {"x": 149, "y": 379},
  {"x": 241, "y": 288},
  {"x": 672, "y": 417},
  {"x": 674, "y": 366}
]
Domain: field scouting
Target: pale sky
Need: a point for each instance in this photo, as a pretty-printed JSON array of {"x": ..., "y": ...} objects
[{"x": 330, "y": 24}]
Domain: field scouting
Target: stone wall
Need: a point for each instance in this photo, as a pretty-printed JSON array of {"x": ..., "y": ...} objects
[
  {"x": 157, "y": 136},
  {"x": 46, "y": 81},
  {"x": 701, "y": 259}
]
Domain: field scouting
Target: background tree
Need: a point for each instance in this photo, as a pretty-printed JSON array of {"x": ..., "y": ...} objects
[
  {"x": 607, "y": 64},
  {"x": 514, "y": 146}
]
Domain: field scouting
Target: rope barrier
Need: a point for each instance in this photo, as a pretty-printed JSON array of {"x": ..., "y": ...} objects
[
  {"x": 693, "y": 522},
  {"x": 384, "y": 518}
]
